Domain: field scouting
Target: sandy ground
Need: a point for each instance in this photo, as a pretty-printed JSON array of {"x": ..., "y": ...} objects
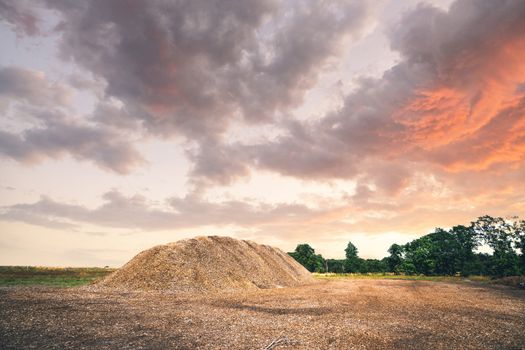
[{"x": 337, "y": 314}]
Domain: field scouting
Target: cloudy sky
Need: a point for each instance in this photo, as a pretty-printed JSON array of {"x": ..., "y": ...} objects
[{"x": 125, "y": 123}]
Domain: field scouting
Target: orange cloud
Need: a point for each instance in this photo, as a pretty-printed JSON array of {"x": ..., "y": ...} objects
[{"x": 475, "y": 123}]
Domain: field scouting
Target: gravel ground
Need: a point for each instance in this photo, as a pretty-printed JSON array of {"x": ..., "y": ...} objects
[{"x": 336, "y": 314}]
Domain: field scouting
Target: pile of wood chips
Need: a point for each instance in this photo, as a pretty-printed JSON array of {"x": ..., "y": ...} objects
[{"x": 208, "y": 264}]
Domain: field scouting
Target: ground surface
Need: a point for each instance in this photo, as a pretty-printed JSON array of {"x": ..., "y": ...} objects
[
  {"x": 50, "y": 276},
  {"x": 330, "y": 314}
]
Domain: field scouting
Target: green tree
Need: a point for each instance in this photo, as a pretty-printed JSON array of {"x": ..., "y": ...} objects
[
  {"x": 352, "y": 262},
  {"x": 467, "y": 243},
  {"x": 395, "y": 259},
  {"x": 335, "y": 265},
  {"x": 479, "y": 264},
  {"x": 441, "y": 252},
  {"x": 408, "y": 267},
  {"x": 445, "y": 251},
  {"x": 372, "y": 265},
  {"x": 518, "y": 235},
  {"x": 499, "y": 234},
  {"x": 351, "y": 251},
  {"x": 419, "y": 256},
  {"x": 305, "y": 255}
]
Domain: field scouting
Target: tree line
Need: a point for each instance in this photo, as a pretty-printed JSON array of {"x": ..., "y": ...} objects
[{"x": 442, "y": 252}]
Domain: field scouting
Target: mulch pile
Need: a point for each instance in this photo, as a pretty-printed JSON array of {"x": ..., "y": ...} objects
[{"x": 208, "y": 264}]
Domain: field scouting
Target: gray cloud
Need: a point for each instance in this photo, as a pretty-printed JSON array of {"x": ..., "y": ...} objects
[
  {"x": 100, "y": 146},
  {"x": 20, "y": 15},
  {"x": 194, "y": 67},
  {"x": 137, "y": 212},
  {"x": 32, "y": 87},
  {"x": 215, "y": 163},
  {"x": 25, "y": 216},
  {"x": 441, "y": 110},
  {"x": 363, "y": 212},
  {"x": 190, "y": 67},
  {"x": 52, "y": 132}
]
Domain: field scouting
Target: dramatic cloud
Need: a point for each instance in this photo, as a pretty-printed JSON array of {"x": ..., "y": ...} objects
[
  {"x": 454, "y": 103},
  {"x": 191, "y": 67},
  {"x": 438, "y": 139},
  {"x": 52, "y": 132}
]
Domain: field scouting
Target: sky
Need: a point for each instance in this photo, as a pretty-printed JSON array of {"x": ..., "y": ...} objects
[{"x": 126, "y": 124}]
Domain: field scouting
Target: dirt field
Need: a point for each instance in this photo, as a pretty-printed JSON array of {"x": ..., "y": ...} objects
[{"x": 336, "y": 314}]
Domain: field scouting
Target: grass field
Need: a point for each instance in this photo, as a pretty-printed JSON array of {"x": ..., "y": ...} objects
[
  {"x": 77, "y": 276},
  {"x": 50, "y": 276},
  {"x": 401, "y": 277}
]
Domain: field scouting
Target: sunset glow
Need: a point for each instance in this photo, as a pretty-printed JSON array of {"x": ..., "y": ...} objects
[{"x": 126, "y": 124}]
